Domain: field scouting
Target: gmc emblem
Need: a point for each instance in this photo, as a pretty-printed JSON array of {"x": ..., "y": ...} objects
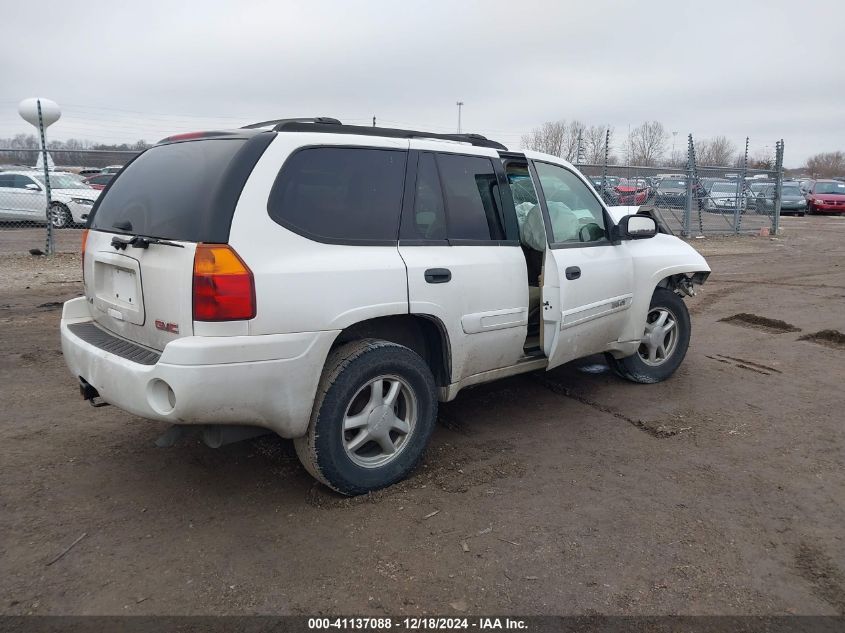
[{"x": 172, "y": 328}]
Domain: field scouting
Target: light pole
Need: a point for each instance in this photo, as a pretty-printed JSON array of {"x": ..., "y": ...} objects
[
  {"x": 460, "y": 104},
  {"x": 42, "y": 113}
]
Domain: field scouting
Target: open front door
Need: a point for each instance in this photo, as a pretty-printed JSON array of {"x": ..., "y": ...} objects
[{"x": 587, "y": 281}]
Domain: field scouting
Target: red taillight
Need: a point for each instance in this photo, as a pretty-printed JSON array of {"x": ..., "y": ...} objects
[{"x": 224, "y": 289}]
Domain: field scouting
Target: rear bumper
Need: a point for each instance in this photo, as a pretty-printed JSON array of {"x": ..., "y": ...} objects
[{"x": 268, "y": 381}]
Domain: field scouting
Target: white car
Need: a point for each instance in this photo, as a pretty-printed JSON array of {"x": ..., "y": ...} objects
[
  {"x": 23, "y": 197},
  {"x": 337, "y": 281}
]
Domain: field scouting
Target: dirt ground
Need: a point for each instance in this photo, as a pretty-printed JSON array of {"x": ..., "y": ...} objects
[{"x": 720, "y": 491}]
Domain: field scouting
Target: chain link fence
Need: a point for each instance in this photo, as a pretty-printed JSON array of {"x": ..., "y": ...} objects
[
  {"x": 695, "y": 199},
  {"x": 31, "y": 222}
]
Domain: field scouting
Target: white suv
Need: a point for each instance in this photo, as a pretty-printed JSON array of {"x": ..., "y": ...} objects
[{"x": 332, "y": 283}]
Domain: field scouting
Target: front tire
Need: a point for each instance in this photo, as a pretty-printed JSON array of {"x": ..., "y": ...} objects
[
  {"x": 664, "y": 344},
  {"x": 60, "y": 216},
  {"x": 374, "y": 413}
]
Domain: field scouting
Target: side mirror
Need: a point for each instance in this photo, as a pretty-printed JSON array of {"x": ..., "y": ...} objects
[
  {"x": 636, "y": 227},
  {"x": 32, "y": 187}
]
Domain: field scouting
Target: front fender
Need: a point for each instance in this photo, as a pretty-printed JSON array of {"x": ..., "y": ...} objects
[{"x": 654, "y": 260}]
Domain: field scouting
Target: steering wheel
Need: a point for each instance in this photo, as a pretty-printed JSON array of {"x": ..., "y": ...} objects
[{"x": 593, "y": 232}]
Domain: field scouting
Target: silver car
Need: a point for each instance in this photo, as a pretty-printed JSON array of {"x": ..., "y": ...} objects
[
  {"x": 725, "y": 196},
  {"x": 23, "y": 198}
]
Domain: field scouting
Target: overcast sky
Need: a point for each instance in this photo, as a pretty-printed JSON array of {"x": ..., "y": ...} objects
[{"x": 127, "y": 71}]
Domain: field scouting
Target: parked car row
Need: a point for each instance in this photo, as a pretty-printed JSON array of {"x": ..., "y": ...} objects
[
  {"x": 23, "y": 198},
  {"x": 726, "y": 195}
]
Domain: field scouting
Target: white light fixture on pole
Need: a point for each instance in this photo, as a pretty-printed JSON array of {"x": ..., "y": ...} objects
[
  {"x": 460, "y": 104},
  {"x": 42, "y": 113}
]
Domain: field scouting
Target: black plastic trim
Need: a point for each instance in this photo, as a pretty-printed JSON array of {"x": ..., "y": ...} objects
[
  {"x": 364, "y": 130},
  {"x": 507, "y": 211},
  {"x": 102, "y": 339},
  {"x": 277, "y": 122},
  {"x": 483, "y": 242}
]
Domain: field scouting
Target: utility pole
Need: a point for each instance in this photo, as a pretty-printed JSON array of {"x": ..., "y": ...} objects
[
  {"x": 672, "y": 158},
  {"x": 460, "y": 104}
]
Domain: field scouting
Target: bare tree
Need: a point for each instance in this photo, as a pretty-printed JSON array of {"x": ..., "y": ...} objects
[
  {"x": 826, "y": 164},
  {"x": 570, "y": 142},
  {"x": 646, "y": 144},
  {"x": 762, "y": 159},
  {"x": 548, "y": 138},
  {"x": 594, "y": 140},
  {"x": 716, "y": 151}
]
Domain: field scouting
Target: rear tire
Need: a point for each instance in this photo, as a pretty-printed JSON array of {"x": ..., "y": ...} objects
[
  {"x": 663, "y": 347},
  {"x": 373, "y": 415}
]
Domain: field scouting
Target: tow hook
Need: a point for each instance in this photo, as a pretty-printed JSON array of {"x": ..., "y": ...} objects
[{"x": 90, "y": 394}]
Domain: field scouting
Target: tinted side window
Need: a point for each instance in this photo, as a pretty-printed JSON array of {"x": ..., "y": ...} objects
[
  {"x": 7, "y": 180},
  {"x": 574, "y": 211},
  {"x": 22, "y": 181},
  {"x": 472, "y": 196},
  {"x": 428, "y": 221},
  {"x": 339, "y": 193}
]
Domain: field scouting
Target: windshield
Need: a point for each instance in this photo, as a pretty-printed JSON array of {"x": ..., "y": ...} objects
[
  {"x": 672, "y": 184},
  {"x": 790, "y": 191},
  {"x": 830, "y": 187},
  {"x": 63, "y": 181}
]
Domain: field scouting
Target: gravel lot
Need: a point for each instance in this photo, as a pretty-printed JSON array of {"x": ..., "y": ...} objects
[{"x": 718, "y": 492}]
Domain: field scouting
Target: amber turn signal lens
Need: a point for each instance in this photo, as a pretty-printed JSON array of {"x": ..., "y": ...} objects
[{"x": 223, "y": 287}]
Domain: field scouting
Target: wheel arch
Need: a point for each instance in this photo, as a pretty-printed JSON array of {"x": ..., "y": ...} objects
[
  {"x": 681, "y": 277},
  {"x": 424, "y": 334}
]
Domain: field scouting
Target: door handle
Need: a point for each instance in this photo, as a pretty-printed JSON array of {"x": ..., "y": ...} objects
[
  {"x": 573, "y": 272},
  {"x": 438, "y": 275}
]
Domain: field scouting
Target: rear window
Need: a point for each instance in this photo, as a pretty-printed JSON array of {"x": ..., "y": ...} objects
[
  {"x": 341, "y": 194},
  {"x": 173, "y": 192}
]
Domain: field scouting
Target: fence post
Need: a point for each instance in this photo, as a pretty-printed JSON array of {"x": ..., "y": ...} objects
[
  {"x": 778, "y": 186},
  {"x": 606, "y": 156},
  {"x": 688, "y": 200},
  {"x": 578, "y": 152},
  {"x": 49, "y": 241},
  {"x": 740, "y": 191}
]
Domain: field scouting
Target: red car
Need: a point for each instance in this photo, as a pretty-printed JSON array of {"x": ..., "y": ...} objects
[
  {"x": 826, "y": 196},
  {"x": 631, "y": 194},
  {"x": 99, "y": 181}
]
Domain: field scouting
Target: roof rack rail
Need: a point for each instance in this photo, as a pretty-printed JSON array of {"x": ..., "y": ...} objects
[
  {"x": 333, "y": 126},
  {"x": 277, "y": 122}
]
